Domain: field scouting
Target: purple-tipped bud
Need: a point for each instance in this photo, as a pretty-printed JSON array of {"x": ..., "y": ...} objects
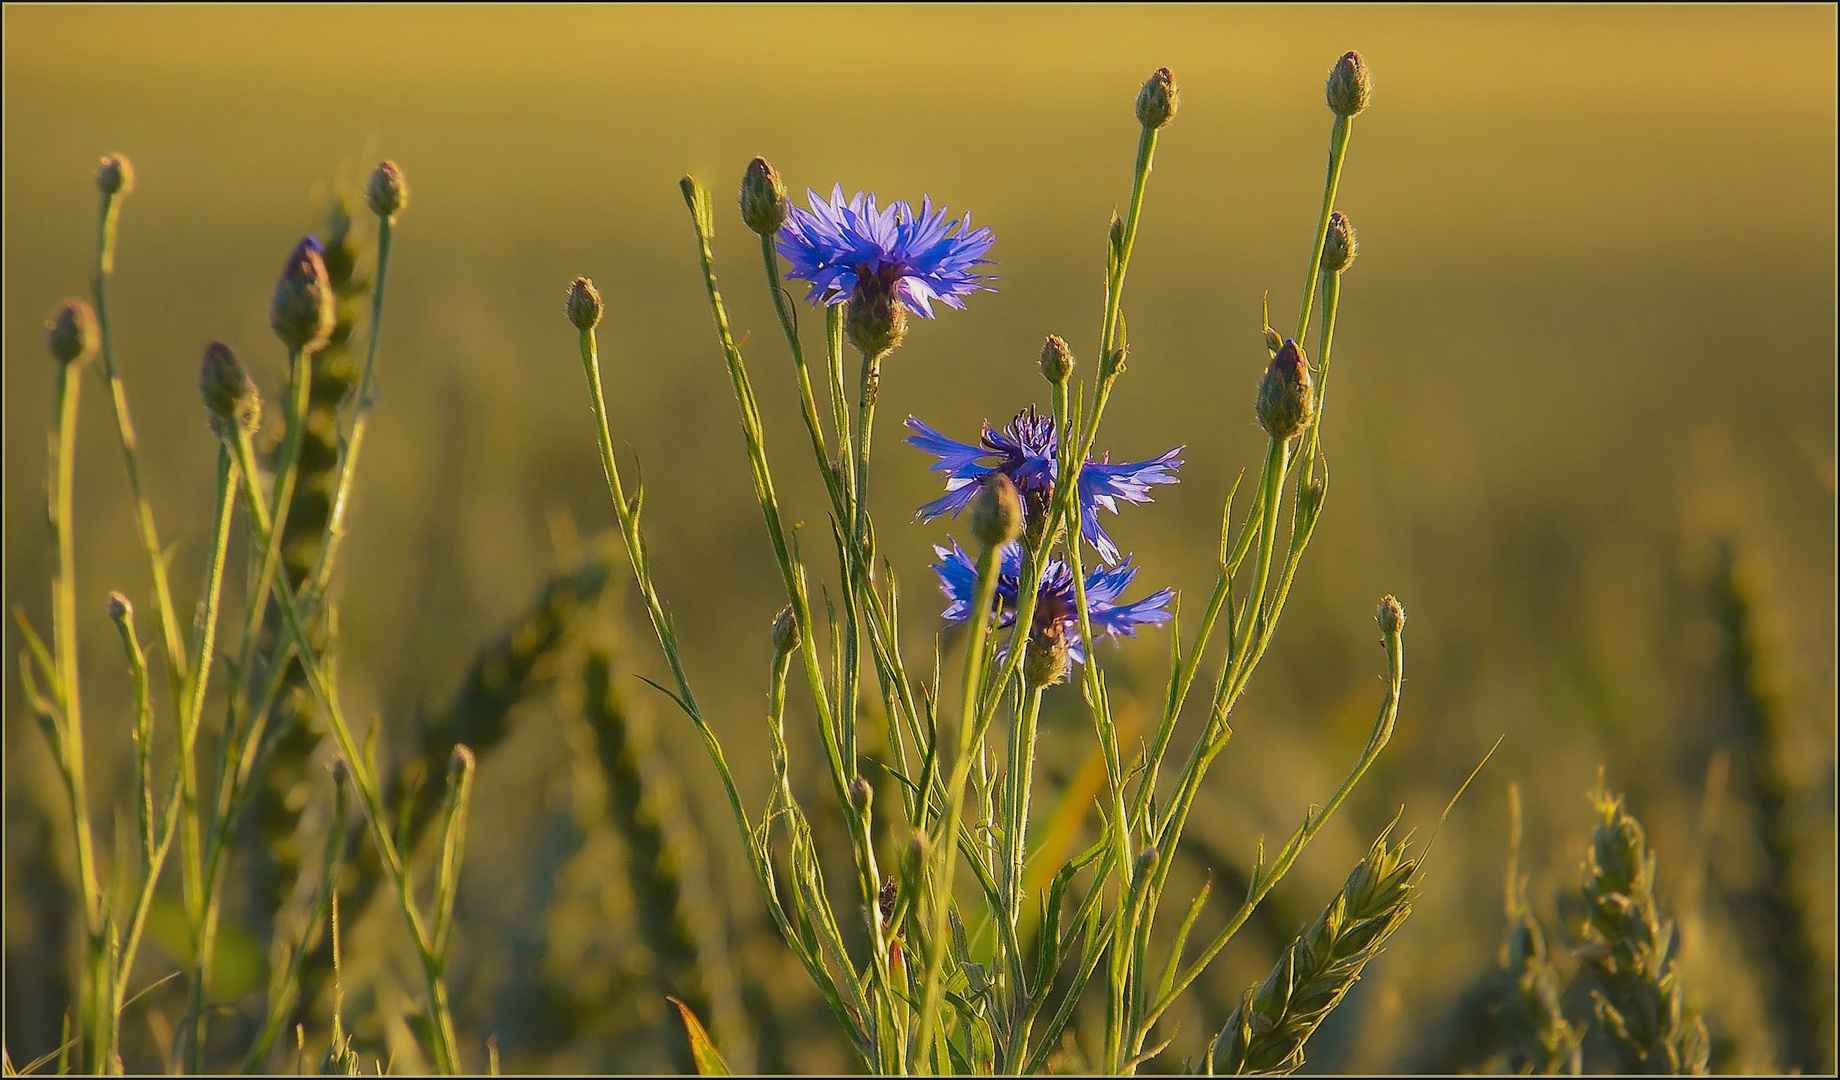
[
  {"x": 71, "y": 333},
  {"x": 861, "y": 795},
  {"x": 996, "y": 511},
  {"x": 1340, "y": 246},
  {"x": 341, "y": 771},
  {"x": 1056, "y": 360},
  {"x": 1390, "y": 615},
  {"x": 301, "y": 312},
  {"x": 764, "y": 206},
  {"x": 1286, "y": 393},
  {"x": 388, "y": 191},
  {"x": 1157, "y": 101},
  {"x": 115, "y": 176},
  {"x": 120, "y": 610},
  {"x": 230, "y": 395},
  {"x": 785, "y": 631},
  {"x": 874, "y": 317},
  {"x": 584, "y": 305},
  {"x": 1350, "y": 85}
]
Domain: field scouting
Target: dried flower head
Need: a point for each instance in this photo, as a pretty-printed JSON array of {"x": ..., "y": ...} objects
[
  {"x": 70, "y": 332},
  {"x": 1286, "y": 393},
  {"x": 764, "y": 205},
  {"x": 584, "y": 306}
]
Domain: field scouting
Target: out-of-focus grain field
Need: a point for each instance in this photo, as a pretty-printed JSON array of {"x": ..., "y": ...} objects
[{"x": 1590, "y": 338}]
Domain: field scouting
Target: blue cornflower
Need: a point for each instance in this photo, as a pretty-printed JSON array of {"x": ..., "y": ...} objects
[
  {"x": 1025, "y": 452},
  {"x": 1057, "y": 615},
  {"x": 844, "y": 247}
]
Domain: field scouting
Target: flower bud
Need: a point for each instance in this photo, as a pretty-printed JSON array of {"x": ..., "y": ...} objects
[
  {"x": 764, "y": 206},
  {"x": 460, "y": 762},
  {"x": 71, "y": 332},
  {"x": 1340, "y": 246},
  {"x": 115, "y": 176},
  {"x": 301, "y": 312},
  {"x": 1286, "y": 393},
  {"x": 1114, "y": 235},
  {"x": 1146, "y": 861},
  {"x": 875, "y": 319},
  {"x": 1157, "y": 101},
  {"x": 996, "y": 511},
  {"x": 886, "y": 899},
  {"x": 229, "y": 394},
  {"x": 1390, "y": 615},
  {"x": 388, "y": 191},
  {"x": 785, "y": 631},
  {"x": 1047, "y": 661},
  {"x": 341, "y": 770},
  {"x": 861, "y": 795},
  {"x": 1350, "y": 85},
  {"x": 584, "y": 305},
  {"x": 120, "y": 610},
  {"x": 1056, "y": 360}
]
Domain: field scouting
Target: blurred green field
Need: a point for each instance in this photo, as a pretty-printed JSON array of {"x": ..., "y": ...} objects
[{"x": 1591, "y": 333}]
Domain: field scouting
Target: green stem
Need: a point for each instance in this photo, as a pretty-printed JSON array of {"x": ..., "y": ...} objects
[
  {"x": 984, "y": 598},
  {"x": 446, "y": 1047},
  {"x": 172, "y": 641},
  {"x": 1338, "y": 152},
  {"x": 197, "y": 682}
]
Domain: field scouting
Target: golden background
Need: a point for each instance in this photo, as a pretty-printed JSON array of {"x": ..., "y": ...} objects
[{"x": 1591, "y": 332}]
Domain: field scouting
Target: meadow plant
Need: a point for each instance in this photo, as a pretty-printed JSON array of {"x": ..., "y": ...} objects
[
  {"x": 988, "y": 979},
  {"x": 198, "y": 812}
]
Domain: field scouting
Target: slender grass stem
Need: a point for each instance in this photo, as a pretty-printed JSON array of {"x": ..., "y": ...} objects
[
  {"x": 445, "y": 1047},
  {"x": 198, "y": 679},
  {"x": 172, "y": 641},
  {"x": 984, "y": 597},
  {"x": 360, "y": 420},
  {"x": 1338, "y": 152}
]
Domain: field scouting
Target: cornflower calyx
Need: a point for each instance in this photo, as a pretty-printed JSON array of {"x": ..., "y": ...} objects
[
  {"x": 388, "y": 190},
  {"x": 1340, "y": 246},
  {"x": 301, "y": 312},
  {"x": 230, "y": 395},
  {"x": 1026, "y": 451},
  {"x": 1056, "y": 360},
  {"x": 71, "y": 333},
  {"x": 584, "y": 306},
  {"x": 115, "y": 175},
  {"x": 1286, "y": 393},
  {"x": 996, "y": 511},
  {"x": 764, "y": 206},
  {"x": 1158, "y": 100},
  {"x": 1350, "y": 85},
  {"x": 1056, "y": 625},
  {"x": 1391, "y": 615},
  {"x": 884, "y": 261}
]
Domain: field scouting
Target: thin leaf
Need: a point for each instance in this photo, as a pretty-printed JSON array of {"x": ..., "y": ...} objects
[{"x": 709, "y": 1060}]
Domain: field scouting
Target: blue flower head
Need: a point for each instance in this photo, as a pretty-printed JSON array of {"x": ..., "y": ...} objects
[
  {"x": 843, "y": 247},
  {"x": 1057, "y": 613},
  {"x": 1025, "y": 452}
]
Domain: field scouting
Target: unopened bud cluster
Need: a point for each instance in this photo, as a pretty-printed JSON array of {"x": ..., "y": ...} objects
[
  {"x": 70, "y": 332},
  {"x": 785, "y": 631},
  {"x": 584, "y": 306},
  {"x": 1056, "y": 360},
  {"x": 230, "y": 395},
  {"x": 301, "y": 312},
  {"x": 388, "y": 191},
  {"x": 1340, "y": 246},
  {"x": 1287, "y": 393},
  {"x": 1350, "y": 85},
  {"x": 764, "y": 206},
  {"x": 1390, "y": 615},
  {"x": 1158, "y": 100},
  {"x": 996, "y": 511}
]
